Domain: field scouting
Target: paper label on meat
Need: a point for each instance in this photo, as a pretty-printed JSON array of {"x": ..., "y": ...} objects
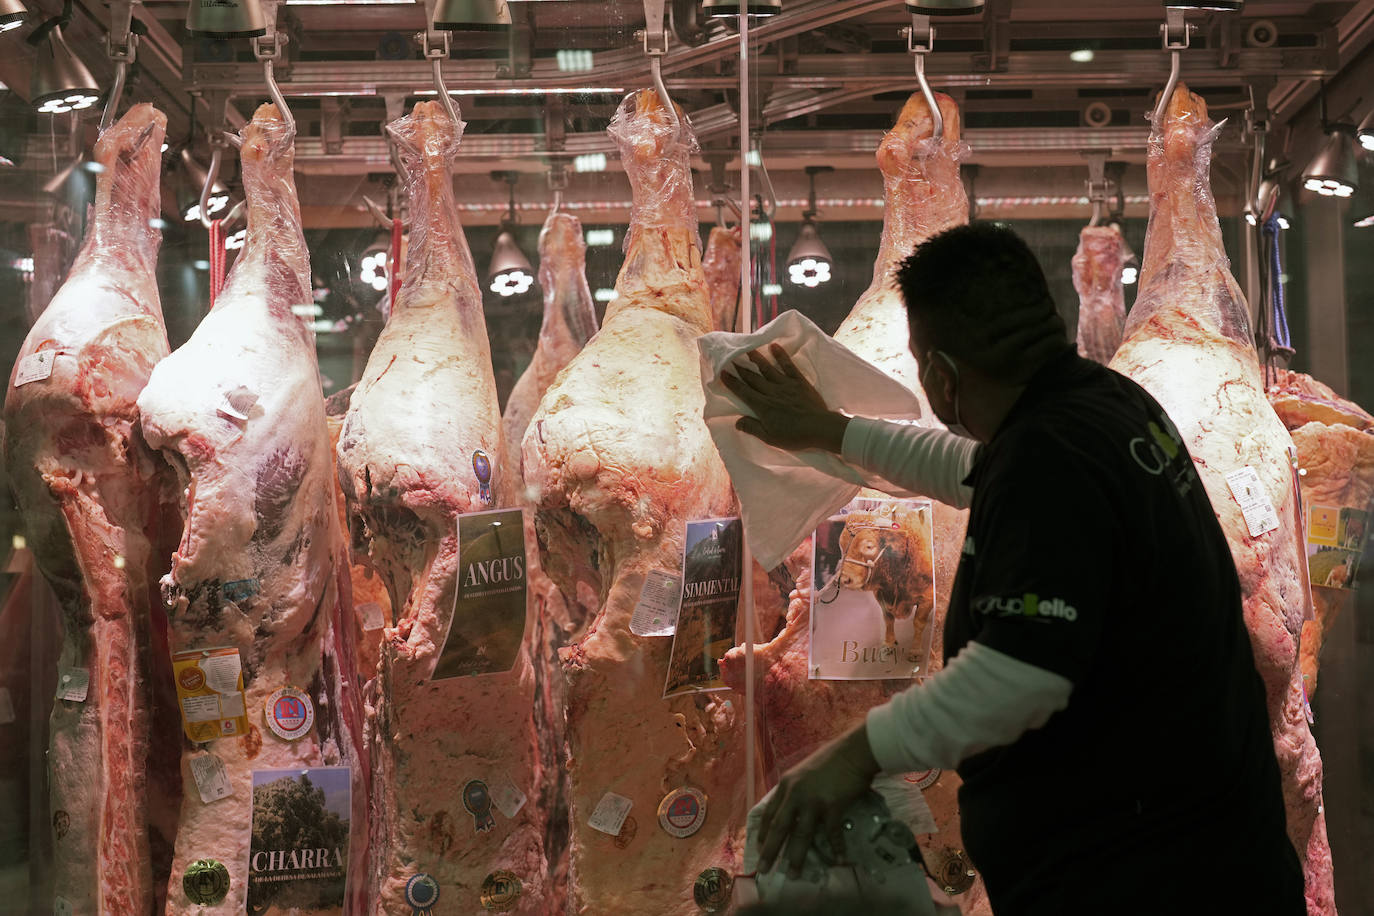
[
  {"x": 73, "y": 684},
  {"x": 1335, "y": 543},
  {"x": 210, "y": 693},
  {"x": 660, "y": 597},
  {"x": 1253, "y": 499},
  {"x": 506, "y": 796},
  {"x": 610, "y": 813},
  {"x": 61, "y": 907},
  {"x": 314, "y": 807},
  {"x": 371, "y": 612},
  {"x": 488, "y": 624},
  {"x": 873, "y": 591},
  {"x": 35, "y": 367},
  {"x": 712, "y": 559},
  {"x": 212, "y": 780},
  {"x": 906, "y": 802}
]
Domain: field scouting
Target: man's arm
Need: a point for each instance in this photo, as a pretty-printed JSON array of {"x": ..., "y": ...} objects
[
  {"x": 982, "y": 699},
  {"x": 918, "y": 459}
]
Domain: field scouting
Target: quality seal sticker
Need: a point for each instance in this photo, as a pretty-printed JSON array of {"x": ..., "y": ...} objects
[
  {"x": 682, "y": 811},
  {"x": 477, "y": 800},
  {"x": 289, "y": 713},
  {"x": 712, "y": 890},
  {"x": 922, "y": 780},
  {"x": 422, "y": 892},
  {"x": 205, "y": 882},
  {"x": 501, "y": 890}
]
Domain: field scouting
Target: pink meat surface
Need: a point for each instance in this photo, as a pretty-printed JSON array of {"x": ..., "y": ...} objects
[
  {"x": 720, "y": 264},
  {"x": 619, "y": 459},
  {"x": 1101, "y": 298},
  {"x": 238, "y": 411},
  {"x": 92, "y": 494},
  {"x": 1188, "y": 342},
  {"x": 426, "y": 403}
]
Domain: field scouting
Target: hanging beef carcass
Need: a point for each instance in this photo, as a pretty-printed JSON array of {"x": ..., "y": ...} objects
[
  {"x": 93, "y": 495},
  {"x": 1335, "y": 442},
  {"x": 1101, "y": 297},
  {"x": 619, "y": 459},
  {"x": 923, "y": 196},
  {"x": 238, "y": 411},
  {"x": 423, "y": 411},
  {"x": 1188, "y": 342},
  {"x": 720, "y": 264}
]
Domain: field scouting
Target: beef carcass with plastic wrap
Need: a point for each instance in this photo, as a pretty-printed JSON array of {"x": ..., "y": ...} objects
[
  {"x": 425, "y": 405},
  {"x": 1188, "y": 342},
  {"x": 721, "y": 264},
  {"x": 1101, "y": 296},
  {"x": 1335, "y": 442},
  {"x": 239, "y": 413},
  {"x": 619, "y": 459},
  {"x": 93, "y": 495},
  {"x": 923, "y": 196}
]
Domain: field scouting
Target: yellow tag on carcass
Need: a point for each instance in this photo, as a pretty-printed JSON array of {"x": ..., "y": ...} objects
[{"x": 210, "y": 693}]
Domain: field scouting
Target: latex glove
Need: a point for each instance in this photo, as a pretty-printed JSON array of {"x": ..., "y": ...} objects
[
  {"x": 789, "y": 413},
  {"x": 814, "y": 795}
]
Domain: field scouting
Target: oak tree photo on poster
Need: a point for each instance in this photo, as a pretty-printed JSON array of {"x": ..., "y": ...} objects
[{"x": 298, "y": 855}]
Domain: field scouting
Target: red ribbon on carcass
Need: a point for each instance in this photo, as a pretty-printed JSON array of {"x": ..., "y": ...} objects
[
  {"x": 216, "y": 259},
  {"x": 393, "y": 261}
]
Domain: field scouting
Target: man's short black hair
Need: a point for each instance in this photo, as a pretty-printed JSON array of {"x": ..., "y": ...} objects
[{"x": 978, "y": 293}]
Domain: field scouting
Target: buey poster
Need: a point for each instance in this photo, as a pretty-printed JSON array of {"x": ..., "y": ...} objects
[
  {"x": 489, "y": 606},
  {"x": 712, "y": 558},
  {"x": 873, "y": 591},
  {"x": 298, "y": 855}
]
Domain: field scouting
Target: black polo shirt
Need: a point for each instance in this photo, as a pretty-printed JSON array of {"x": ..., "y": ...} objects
[{"x": 1093, "y": 552}]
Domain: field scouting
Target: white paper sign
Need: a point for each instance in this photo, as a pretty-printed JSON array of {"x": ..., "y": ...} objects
[
  {"x": 1254, "y": 502},
  {"x": 73, "y": 684},
  {"x": 6, "y": 706},
  {"x": 506, "y": 796},
  {"x": 212, "y": 780},
  {"x": 222, "y": 674},
  {"x": 610, "y": 813},
  {"x": 659, "y": 600},
  {"x": 35, "y": 367}
]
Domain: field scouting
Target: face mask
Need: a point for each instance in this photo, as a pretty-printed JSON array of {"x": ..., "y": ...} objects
[{"x": 956, "y": 426}]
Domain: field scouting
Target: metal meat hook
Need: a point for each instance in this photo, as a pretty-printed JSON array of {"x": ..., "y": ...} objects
[
  {"x": 1176, "y": 33},
  {"x": 920, "y": 39},
  {"x": 122, "y": 47},
  {"x": 267, "y": 50},
  {"x": 655, "y": 38}
]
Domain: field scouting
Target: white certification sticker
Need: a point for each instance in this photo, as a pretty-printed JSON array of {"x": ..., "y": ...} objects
[
  {"x": 289, "y": 713},
  {"x": 1254, "y": 502},
  {"x": 212, "y": 780},
  {"x": 659, "y": 600},
  {"x": 35, "y": 367},
  {"x": 73, "y": 684},
  {"x": 6, "y": 706},
  {"x": 222, "y": 672},
  {"x": 506, "y": 795},
  {"x": 610, "y": 813}
]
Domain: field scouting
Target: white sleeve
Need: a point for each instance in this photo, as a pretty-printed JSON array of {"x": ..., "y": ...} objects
[
  {"x": 918, "y": 459},
  {"x": 982, "y": 699}
]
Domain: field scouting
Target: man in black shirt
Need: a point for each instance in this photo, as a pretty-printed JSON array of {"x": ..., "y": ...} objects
[{"x": 1099, "y": 699}]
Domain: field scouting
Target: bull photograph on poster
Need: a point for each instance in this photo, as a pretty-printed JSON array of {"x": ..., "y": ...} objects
[{"x": 873, "y": 591}]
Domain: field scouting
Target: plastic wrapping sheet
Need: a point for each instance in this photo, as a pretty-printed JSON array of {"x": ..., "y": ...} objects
[
  {"x": 563, "y": 278},
  {"x": 922, "y": 190},
  {"x": 274, "y": 247},
  {"x": 657, "y": 157},
  {"x": 1101, "y": 297},
  {"x": 1184, "y": 235}
]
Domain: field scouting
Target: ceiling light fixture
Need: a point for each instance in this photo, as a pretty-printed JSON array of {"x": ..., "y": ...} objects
[
  {"x": 1333, "y": 172},
  {"x": 510, "y": 272},
  {"x": 719, "y": 9},
  {"x": 372, "y": 265},
  {"x": 1082, "y": 56},
  {"x": 1366, "y": 132},
  {"x": 471, "y": 15},
  {"x": 943, "y": 7},
  {"x": 60, "y": 82},
  {"x": 12, "y": 14},
  {"x": 225, "y": 19},
  {"x": 808, "y": 264}
]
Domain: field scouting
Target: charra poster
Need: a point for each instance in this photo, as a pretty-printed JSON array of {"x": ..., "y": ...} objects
[
  {"x": 298, "y": 855},
  {"x": 489, "y": 606},
  {"x": 712, "y": 559}
]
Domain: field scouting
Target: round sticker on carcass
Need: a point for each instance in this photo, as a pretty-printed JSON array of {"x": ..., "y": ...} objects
[
  {"x": 712, "y": 890},
  {"x": 422, "y": 892},
  {"x": 922, "y": 780},
  {"x": 205, "y": 882},
  {"x": 192, "y": 678},
  {"x": 682, "y": 811},
  {"x": 500, "y": 891},
  {"x": 481, "y": 467},
  {"x": 289, "y": 713}
]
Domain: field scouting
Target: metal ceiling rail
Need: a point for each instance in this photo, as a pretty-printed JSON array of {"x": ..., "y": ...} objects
[{"x": 884, "y": 72}]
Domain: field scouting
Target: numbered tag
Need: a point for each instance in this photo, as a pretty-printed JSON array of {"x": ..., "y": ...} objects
[
  {"x": 1253, "y": 499},
  {"x": 610, "y": 813},
  {"x": 506, "y": 796},
  {"x": 73, "y": 684},
  {"x": 212, "y": 780},
  {"x": 659, "y": 599},
  {"x": 35, "y": 367}
]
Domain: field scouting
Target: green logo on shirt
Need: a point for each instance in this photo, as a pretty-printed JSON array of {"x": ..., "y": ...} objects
[{"x": 1029, "y": 605}]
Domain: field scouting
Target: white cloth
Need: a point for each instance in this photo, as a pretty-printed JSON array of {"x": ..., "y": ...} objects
[
  {"x": 982, "y": 699},
  {"x": 785, "y": 495}
]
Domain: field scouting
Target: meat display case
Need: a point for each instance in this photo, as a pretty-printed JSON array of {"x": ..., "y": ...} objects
[{"x": 500, "y": 323}]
